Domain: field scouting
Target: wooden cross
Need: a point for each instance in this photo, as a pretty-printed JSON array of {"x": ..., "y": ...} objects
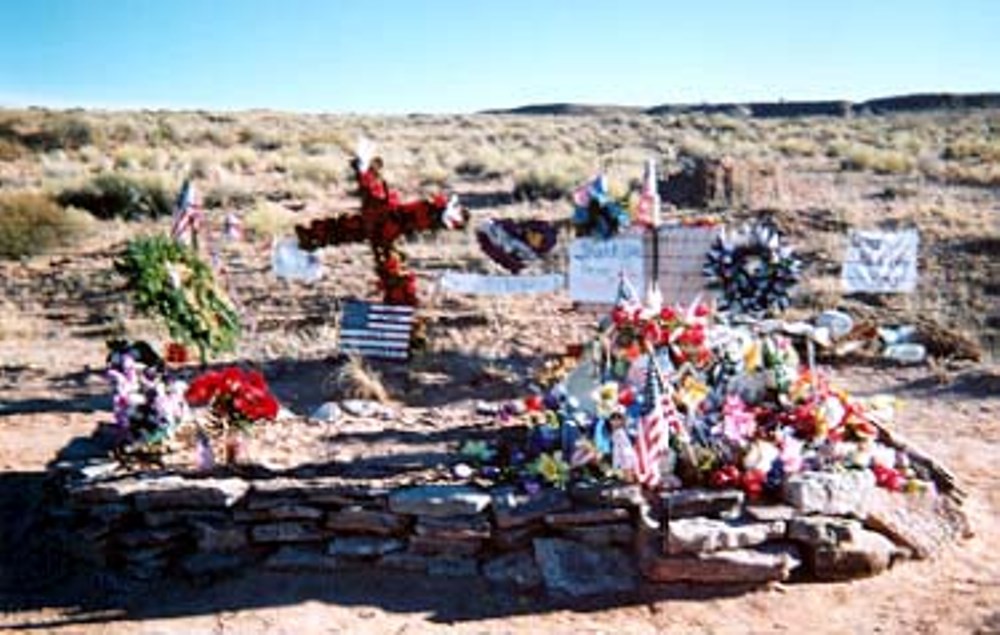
[{"x": 383, "y": 220}]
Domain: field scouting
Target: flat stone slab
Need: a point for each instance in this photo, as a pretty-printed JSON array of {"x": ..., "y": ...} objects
[
  {"x": 517, "y": 569},
  {"x": 205, "y": 493},
  {"x": 427, "y": 545},
  {"x": 699, "y": 535},
  {"x": 740, "y": 566},
  {"x": 452, "y": 567},
  {"x": 622, "y": 533},
  {"x": 867, "y": 553},
  {"x": 439, "y": 500},
  {"x": 290, "y": 558},
  {"x": 830, "y": 493},
  {"x": 823, "y": 531},
  {"x": 210, "y": 537},
  {"x": 363, "y": 546},
  {"x": 689, "y": 503},
  {"x": 923, "y": 523},
  {"x": 577, "y": 570},
  {"x": 607, "y": 495},
  {"x": 453, "y": 527},
  {"x": 366, "y": 521},
  {"x": 514, "y": 509},
  {"x": 287, "y": 531},
  {"x": 587, "y": 517},
  {"x": 283, "y": 511}
]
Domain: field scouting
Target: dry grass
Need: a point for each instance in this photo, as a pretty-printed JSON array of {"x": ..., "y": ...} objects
[{"x": 356, "y": 380}]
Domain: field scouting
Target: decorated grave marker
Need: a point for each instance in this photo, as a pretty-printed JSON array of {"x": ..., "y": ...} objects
[
  {"x": 881, "y": 261},
  {"x": 383, "y": 220},
  {"x": 378, "y": 331}
]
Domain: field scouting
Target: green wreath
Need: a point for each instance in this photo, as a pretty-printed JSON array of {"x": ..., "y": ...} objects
[{"x": 753, "y": 269}]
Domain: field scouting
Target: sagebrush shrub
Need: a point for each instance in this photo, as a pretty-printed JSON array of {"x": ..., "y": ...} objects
[
  {"x": 115, "y": 196},
  {"x": 31, "y": 224}
]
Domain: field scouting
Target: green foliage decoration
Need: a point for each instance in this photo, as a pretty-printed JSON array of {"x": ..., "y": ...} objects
[{"x": 170, "y": 281}]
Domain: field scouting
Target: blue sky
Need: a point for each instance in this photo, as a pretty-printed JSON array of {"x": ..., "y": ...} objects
[{"x": 399, "y": 56}]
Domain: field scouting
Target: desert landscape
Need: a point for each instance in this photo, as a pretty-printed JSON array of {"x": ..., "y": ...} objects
[{"x": 76, "y": 185}]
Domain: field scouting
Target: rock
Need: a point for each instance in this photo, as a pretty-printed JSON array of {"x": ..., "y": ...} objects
[
  {"x": 209, "y": 492},
  {"x": 513, "y": 509},
  {"x": 699, "y": 535},
  {"x": 742, "y": 566},
  {"x": 282, "y": 511},
  {"x": 287, "y": 531},
  {"x": 201, "y": 565},
  {"x": 109, "y": 512},
  {"x": 426, "y": 545},
  {"x": 120, "y": 490},
  {"x": 607, "y": 495},
  {"x": 768, "y": 513},
  {"x": 830, "y": 493},
  {"x": 513, "y": 539},
  {"x": 866, "y": 554},
  {"x": 688, "y": 503},
  {"x": 357, "y": 519},
  {"x": 516, "y": 569},
  {"x": 921, "y": 522},
  {"x": 363, "y": 546},
  {"x": 298, "y": 559},
  {"x": 224, "y": 538},
  {"x": 329, "y": 412},
  {"x": 453, "y": 527},
  {"x": 822, "y": 531},
  {"x": 367, "y": 409},
  {"x": 164, "y": 517},
  {"x": 837, "y": 322},
  {"x": 601, "y": 535},
  {"x": 96, "y": 470},
  {"x": 449, "y": 567},
  {"x": 404, "y": 561},
  {"x": 587, "y": 517},
  {"x": 577, "y": 570},
  {"x": 487, "y": 409},
  {"x": 439, "y": 500},
  {"x": 148, "y": 537},
  {"x": 80, "y": 449}
]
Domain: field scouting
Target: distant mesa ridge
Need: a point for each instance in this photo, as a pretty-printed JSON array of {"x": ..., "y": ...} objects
[{"x": 921, "y": 102}]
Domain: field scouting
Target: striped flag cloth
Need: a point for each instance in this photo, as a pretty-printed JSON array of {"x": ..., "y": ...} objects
[
  {"x": 653, "y": 433},
  {"x": 187, "y": 212}
]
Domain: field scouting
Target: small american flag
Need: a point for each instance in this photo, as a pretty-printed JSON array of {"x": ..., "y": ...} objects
[
  {"x": 653, "y": 432},
  {"x": 187, "y": 212}
]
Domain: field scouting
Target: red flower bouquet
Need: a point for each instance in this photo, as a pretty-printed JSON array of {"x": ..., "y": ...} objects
[{"x": 237, "y": 398}]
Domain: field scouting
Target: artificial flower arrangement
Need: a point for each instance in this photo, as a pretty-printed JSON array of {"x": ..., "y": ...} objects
[
  {"x": 740, "y": 412},
  {"x": 236, "y": 399},
  {"x": 148, "y": 404},
  {"x": 513, "y": 244},
  {"x": 753, "y": 269},
  {"x": 170, "y": 281},
  {"x": 597, "y": 212}
]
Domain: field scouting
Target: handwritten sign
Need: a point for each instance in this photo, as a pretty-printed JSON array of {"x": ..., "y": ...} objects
[
  {"x": 595, "y": 266},
  {"x": 378, "y": 331},
  {"x": 881, "y": 262},
  {"x": 479, "y": 284}
]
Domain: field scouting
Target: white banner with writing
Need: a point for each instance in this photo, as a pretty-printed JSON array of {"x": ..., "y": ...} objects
[
  {"x": 480, "y": 284},
  {"x": 881, "y": 261},
  {"x": 595, "y": 265}
]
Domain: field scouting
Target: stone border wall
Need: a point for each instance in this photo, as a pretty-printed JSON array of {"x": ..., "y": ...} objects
[{"x": 583, "y": 541}]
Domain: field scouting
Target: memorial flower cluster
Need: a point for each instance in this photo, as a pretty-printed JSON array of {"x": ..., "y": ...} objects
[
  {"x": 148, "y": 405},
  {"x": 597, "y": 212},
  {"x": 739, "y": 411},
  {"x": 236, "y": 399}
]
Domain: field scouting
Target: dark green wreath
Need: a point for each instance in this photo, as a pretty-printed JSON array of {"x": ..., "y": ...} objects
[{"x": 753, "y": 269}]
